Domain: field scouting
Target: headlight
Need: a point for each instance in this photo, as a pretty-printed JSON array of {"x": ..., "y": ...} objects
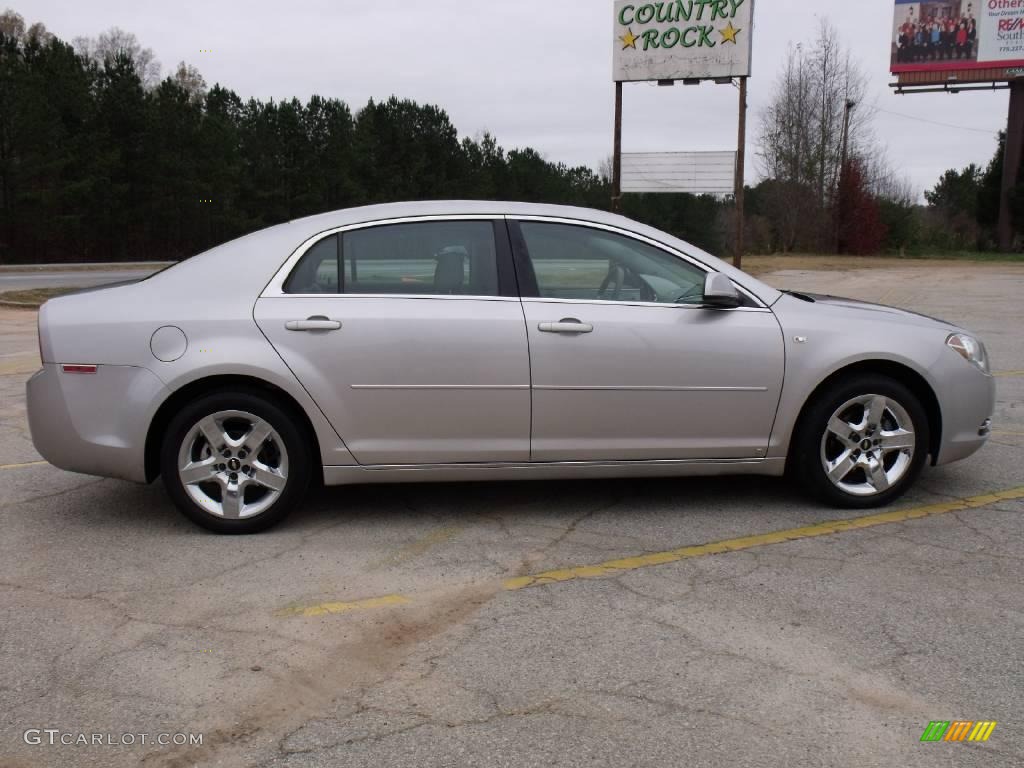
[{"x": 970, "y": 349}]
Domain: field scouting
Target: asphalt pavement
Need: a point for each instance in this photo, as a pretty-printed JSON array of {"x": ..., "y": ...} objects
[{"x": 696, "y": 622}]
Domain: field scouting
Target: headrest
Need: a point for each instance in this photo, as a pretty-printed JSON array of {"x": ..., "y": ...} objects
[{"x": 450, "y": 272}]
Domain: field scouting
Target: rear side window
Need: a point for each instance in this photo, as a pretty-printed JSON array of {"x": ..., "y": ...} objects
[
  {"x": 317, "y": 271},
  {"x": 442, "y": 258},
  {"x": 435, "y": 258}
]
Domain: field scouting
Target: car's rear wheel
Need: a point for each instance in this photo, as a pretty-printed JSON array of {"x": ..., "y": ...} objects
[
  {"x": 862, "y": 442},
  {"x": 234, "y": 462}
]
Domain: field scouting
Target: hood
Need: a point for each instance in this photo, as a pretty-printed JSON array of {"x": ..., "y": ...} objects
[{"x": 891, "y": 313}]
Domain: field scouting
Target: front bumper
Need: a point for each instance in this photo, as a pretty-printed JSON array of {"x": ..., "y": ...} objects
[
  {"x": 967, "y": 398},
  {"x": 97, "y": 423}
]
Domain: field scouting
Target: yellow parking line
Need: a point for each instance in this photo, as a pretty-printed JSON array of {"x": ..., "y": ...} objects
[
  {"x": 22, "y": 464},
  {"x": 356, "y": 605},
  {"x": 1006, "y": 432},
  {"x": 615, "y": 567},
  {"x": 612, "y": 567},
  {"x": 1008, "y": 373}
]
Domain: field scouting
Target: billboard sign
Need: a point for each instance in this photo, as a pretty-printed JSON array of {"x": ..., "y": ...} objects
[
  {"x": 953, "y": 35},
  {"x": 699, "y": 173},
  {"x": 682, "y": 39}
]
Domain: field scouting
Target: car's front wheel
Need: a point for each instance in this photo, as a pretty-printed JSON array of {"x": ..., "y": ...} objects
[
  {"x": 234, "y": 462},
  {"x": 862, "y": 442}
]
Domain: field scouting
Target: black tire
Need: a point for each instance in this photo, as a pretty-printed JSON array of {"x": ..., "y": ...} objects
[
  {"x": 806, "y": 455},
  {"x": 296, "y": 453}
]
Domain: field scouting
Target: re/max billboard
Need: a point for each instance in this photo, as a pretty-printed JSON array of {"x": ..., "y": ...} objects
[{"x": 951, "y": 35}]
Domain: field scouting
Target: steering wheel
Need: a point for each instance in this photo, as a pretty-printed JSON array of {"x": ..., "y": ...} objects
[
  {"x": 613, "y": 281},
  {"x": 616, "y": 279}
]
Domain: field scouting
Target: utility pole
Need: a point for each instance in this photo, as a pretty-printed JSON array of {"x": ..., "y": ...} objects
[{"x": 850, "y": 104}]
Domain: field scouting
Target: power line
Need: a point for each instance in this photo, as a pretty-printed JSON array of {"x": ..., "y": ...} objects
[{"x": 936, "y": 122}]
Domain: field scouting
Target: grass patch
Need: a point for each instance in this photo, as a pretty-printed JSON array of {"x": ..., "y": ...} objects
[
  {"x": 760, "y": 265},
  {"x": 76, "y": 266},
  {"x": 962, "y": 256},
  {"x": 36, "y": 296}
]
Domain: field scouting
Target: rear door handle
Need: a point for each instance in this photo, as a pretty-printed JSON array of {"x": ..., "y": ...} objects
[
  {"x": 314, "y": 323},
  {"x": 566, "y": 325}
]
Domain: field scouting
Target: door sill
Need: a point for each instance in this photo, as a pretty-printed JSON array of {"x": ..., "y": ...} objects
[{"x": 420, "y": 473}]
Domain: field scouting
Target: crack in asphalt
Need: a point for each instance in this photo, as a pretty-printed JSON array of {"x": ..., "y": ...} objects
[{"x": 54, "y": 494}]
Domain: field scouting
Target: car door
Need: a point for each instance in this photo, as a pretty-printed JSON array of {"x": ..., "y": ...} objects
[
  {"x": 410, "y": 338},
  {"x": 627, "y": 364}
]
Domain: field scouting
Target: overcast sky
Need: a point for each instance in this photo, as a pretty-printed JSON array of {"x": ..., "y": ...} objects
[{"x": 533, "y": 72}]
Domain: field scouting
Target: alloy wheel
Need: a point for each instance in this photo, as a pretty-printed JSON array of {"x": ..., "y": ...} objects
[
  {"x": 868, "y": 445},
  {"x": 233, "y": 464}
]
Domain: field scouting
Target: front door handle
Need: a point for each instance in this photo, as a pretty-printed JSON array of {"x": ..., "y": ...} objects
[
  {"x": 314, "y": 323},
  {"x": 566, "y": 325}
]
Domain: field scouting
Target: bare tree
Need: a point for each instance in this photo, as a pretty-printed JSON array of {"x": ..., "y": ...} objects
[
  {"x": 189, "y": 79},
  {"x": 884, "y": 180},
  {"x": 116, "y": 41},
  {"x": 783, "y": 139},
  {"x": 801, "y": 129},
  {"x": 38, "y": 33},
  {"x": 800, "y": 142},
  {"x": 12, "y": 25}
]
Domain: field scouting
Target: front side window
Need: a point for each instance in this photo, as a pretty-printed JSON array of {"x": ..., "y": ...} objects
[{"x": 579, "y": 262}]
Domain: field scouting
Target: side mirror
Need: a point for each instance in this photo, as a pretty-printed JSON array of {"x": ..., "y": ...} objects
[{"x": 719, "y": 292}]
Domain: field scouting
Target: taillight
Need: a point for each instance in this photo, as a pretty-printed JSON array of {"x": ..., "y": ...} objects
[{"x": 78, "y": 368}]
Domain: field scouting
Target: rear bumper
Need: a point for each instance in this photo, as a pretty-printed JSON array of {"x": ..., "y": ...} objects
[{"x": 95, "y": 424}]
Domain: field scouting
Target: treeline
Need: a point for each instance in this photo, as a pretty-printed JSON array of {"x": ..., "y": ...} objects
[
  {"x": 101, "y": 160},
  {"x": 96, "y": 167},
  {"x": 963, "y": 207},
  {"x": 961, "y": 214}
]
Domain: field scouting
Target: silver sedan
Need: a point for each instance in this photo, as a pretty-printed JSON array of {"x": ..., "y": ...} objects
[{"x": 478, "y": 341}]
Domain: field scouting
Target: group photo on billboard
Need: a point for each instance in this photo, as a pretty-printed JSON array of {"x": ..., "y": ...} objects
[{"x": 957, "y": 34}]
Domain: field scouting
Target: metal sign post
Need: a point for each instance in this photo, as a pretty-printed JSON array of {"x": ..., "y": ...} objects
[
  {"x": 741, "y": 152},
  {"x": 617, "y": 152}
]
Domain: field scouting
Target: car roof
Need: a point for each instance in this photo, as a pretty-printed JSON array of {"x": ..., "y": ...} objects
[{"x": 368, "y": 213}]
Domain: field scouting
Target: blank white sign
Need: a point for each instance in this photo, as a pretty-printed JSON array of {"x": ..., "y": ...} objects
[{"x": 699, "y": 173}]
